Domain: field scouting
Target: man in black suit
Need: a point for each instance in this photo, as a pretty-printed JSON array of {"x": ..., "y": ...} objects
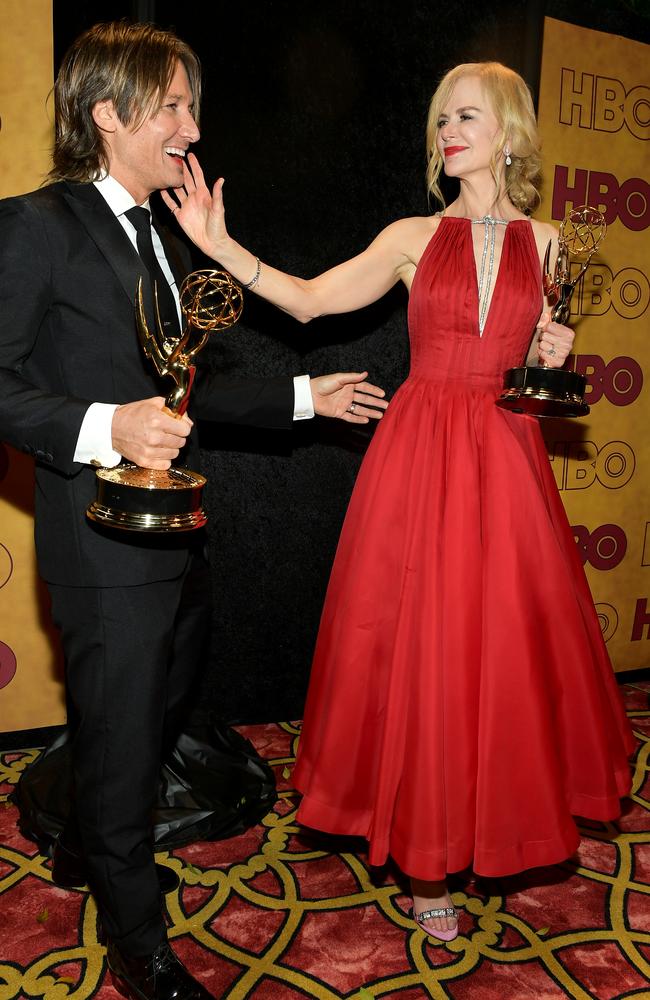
[{"x": 75, "y": 391}]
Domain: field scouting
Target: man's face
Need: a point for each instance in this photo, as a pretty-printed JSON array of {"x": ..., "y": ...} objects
[{"x": 151, "y": 157}]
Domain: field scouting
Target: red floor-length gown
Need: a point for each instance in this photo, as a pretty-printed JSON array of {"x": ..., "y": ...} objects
[{"x": 462, "y": 706}]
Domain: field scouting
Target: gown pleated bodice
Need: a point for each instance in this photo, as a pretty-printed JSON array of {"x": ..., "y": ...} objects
[
  {"x": 444, "y": 297},
  {"x": 462, "y": 707}
]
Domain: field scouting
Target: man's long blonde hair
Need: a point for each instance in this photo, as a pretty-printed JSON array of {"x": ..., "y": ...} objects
[{"x": 131, "y": 65}]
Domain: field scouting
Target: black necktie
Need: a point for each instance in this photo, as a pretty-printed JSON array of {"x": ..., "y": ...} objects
[{"x": 141, "y": 220}]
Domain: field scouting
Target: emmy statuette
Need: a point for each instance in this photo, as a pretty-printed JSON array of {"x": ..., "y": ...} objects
[
  {"x": 553, "y": 392},
  {"x": 149, "y": 500}
]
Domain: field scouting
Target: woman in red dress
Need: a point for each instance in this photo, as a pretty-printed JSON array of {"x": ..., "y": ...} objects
[{"x": 462, "y": 706}]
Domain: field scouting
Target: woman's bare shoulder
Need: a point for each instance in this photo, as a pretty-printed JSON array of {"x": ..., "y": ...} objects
[
  {"x": 544, "y": 233},
  {"x": 415, "y": 225},
  {"x": 410, "y": 236},
  {"x": 544, "y": 228}
]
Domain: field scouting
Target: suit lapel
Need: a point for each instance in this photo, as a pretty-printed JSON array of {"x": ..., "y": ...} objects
[
  {"x": 106, "y": 232},
  {"x": 108, "y": 235}
]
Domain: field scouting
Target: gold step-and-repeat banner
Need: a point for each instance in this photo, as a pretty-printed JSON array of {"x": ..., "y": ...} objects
[
  {"x": 594, "y": 116},
  {"x": 31, "y": 693}
]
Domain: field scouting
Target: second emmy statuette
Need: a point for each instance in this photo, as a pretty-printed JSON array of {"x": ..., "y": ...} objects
[
  {"x": 538, "y": 389},
  {"x": 137, "y": 499}
]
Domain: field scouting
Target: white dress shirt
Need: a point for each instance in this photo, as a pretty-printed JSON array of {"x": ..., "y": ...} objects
[{"x": 94, "y": 444}]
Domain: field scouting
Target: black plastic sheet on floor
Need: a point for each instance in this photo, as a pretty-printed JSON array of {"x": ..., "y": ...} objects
[{"x": 212, "y": 786}]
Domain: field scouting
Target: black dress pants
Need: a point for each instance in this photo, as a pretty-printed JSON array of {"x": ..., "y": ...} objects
[{"x": 131, "y": 656}]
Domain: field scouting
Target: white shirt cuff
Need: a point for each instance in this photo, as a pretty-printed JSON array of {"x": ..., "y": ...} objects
[
  {"x": 95, "y": 441},
  {"x": 303, "y": 404}
]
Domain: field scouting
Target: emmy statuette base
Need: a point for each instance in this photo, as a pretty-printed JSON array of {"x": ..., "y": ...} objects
[
  {"x": 544, "y": 392},
  {"x": 135, "y": 499}
]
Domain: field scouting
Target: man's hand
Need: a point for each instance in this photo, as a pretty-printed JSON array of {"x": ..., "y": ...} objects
[
  {"x": 348, "y": 396},
  {"x": 147, "y": 433}
]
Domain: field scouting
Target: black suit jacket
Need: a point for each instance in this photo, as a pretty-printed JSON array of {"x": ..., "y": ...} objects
[{"x": 68, "y": 274}]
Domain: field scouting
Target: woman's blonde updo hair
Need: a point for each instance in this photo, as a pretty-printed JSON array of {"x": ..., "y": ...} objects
[{"x": 512, "y": 105}]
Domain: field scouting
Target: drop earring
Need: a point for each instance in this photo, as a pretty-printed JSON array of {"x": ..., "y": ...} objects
[{"x": 508, "y": 157}]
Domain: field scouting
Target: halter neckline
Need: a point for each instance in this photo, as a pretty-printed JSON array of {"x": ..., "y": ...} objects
[{"x": 489, "y": 220}]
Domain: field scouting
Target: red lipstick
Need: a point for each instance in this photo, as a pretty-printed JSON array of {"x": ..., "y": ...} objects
[{"x": 452, "y": 150}]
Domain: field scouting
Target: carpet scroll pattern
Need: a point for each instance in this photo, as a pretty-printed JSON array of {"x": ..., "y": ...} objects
[{"x": 280, "y": 913}]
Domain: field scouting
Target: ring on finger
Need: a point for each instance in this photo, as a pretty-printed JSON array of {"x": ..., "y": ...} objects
[
  {"x": 551, "y": 351},
  {"x": 352, "y": 407}
]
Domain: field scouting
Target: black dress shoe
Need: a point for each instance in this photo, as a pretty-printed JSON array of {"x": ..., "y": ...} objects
[
  {"x": 69, "y": 870},
  {"x": 159, "y": 976}
]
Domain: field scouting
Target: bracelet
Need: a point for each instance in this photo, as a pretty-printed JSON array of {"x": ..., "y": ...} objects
[{"x": 255, "y": 278}]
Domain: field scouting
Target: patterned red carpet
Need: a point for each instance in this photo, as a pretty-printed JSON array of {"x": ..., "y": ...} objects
[{"x": 278, "y": 914}]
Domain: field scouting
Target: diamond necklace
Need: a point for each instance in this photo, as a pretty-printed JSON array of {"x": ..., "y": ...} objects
[{"x": 489, "y": 241}]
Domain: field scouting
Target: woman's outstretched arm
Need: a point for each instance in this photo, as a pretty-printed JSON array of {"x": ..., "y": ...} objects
[{"x": 349, "y": 286}]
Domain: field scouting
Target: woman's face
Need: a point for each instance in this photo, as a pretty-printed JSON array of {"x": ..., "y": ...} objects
[{"x": 467, "y": 129}]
